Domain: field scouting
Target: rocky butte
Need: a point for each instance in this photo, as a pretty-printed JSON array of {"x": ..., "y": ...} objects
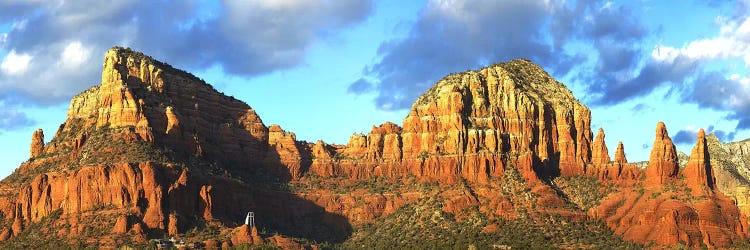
[{"x": 501, "y": 156}]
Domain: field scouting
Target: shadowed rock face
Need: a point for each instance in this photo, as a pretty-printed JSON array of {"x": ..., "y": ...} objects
[{"x": 156, "y": 151}]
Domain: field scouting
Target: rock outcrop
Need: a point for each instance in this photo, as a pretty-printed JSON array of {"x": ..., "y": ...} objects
[
  {"x": 656, "y": 216},
  {"x": 284, "y": 157},
  {"x": 663, "y": 164},
  {"x": 156, "y": 143},
  {"x": 154, "y": 151},
  {"x": 619, "y": 170},
  {"x": 674, "y": 210},
  {"x": 599, "y": 152},
  {"x": 246, "y": 235},
  {"x": 37, "y": 143},
  {"x": 468, "y": 126},
  {"x": 698, "y": 172},
  {"x": 730, "y": 163},
  {"x": 620, "y": 154}
]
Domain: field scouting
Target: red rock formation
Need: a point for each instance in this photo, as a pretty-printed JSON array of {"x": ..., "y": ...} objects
[
  {"x": 666, "y": 213},
  {"x": 698, "y": 172},
  {"x": 5, "y": 234},
  {"x": 322, "y": 159},
  {"x": 599, "y": 153},
  {"x": 37, "y": 143},
  {"x": 469, "y": 126},
  {"x": 246, "y": 235},
  {"x": 620, "y": 154},
  {"x": 171, "y": 152},
  {"x": 284, "y": 156},
  {"x": 121, "y": 226},
  {"x": 619, "y": 170},
  {"x": 173, "y": 228},
  {"x": 206, "y": 202},
  {"x": 472, "y": 118},
  {"x": 663, "y": 164},
  {"x": 656, "y": 217},
  {"x": 17, "y": 227},
  {"x": 119, "y": 105},
  {"x": 286, "y": 243}
]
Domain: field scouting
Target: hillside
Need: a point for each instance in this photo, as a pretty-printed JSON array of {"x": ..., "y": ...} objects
[{"x": 499, "y": 157}]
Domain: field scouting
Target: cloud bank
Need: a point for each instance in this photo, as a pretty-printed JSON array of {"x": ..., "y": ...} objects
[
  {"x": 53, "y": 49},
  {"x": 604, "y": 47},
  {"x": 456, "y": 35}
]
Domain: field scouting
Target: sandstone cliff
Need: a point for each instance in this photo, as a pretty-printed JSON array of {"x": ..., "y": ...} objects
[
  {"x": 731, "y": 166},
  {"x": 673, "y": 209},
  {"x": 473, "y": 125},
  {"x": 154, "y": 151},
  {"x": 162, "y": 148}
]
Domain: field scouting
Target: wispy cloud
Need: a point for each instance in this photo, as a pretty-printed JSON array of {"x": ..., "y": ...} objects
[
  {"x": 11, "y": 118},
  {"x": 689, "y": 135}
]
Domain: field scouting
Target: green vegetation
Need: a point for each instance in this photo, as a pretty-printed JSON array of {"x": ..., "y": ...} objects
[
  {"x": 102, "y": 146},
  {"x": 423, "y": 225},
  {"x": 343, "y": 185},
  {"x": 38, "y": 236},
  {"x": 582, "y": 191}
]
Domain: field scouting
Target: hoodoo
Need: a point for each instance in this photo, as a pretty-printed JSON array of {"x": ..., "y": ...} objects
[
  {"x": 37, "y": 143},
  {"x": 599, "y": 152},
  {"x": 620, "y": 154},
  {"x": 698, "y": 172},
  {"x": 663, "y": 164}
]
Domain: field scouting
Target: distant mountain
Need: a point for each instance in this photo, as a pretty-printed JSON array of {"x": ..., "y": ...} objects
[{"x": 499, "y": 157}]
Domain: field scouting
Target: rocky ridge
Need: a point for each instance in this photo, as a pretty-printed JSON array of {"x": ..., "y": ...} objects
[
  {"x": 674, "y": 204},
  {"x": 731, "y": 167},
  {"x": 156, "y": 151}
]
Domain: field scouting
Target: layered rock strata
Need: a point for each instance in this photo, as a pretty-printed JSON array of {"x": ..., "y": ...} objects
[
  {"x": 160, "y": 152},
  {"x": 471, "y": 126},
  {"x": 674, "y": 210}
]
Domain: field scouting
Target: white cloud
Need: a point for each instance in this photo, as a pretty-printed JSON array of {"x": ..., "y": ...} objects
[
  {"x": 277, "y": 4},
  {"x": 664, "y": 54},
  {"x": 15, "y": 64},
  {"x": 61, "y": 42},
  {"x": 74, "y": 54},
  {"x": 733, "y": 42}
]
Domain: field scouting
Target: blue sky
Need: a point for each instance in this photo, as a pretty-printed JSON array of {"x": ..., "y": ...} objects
[{"x": 327, "y": 69}]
